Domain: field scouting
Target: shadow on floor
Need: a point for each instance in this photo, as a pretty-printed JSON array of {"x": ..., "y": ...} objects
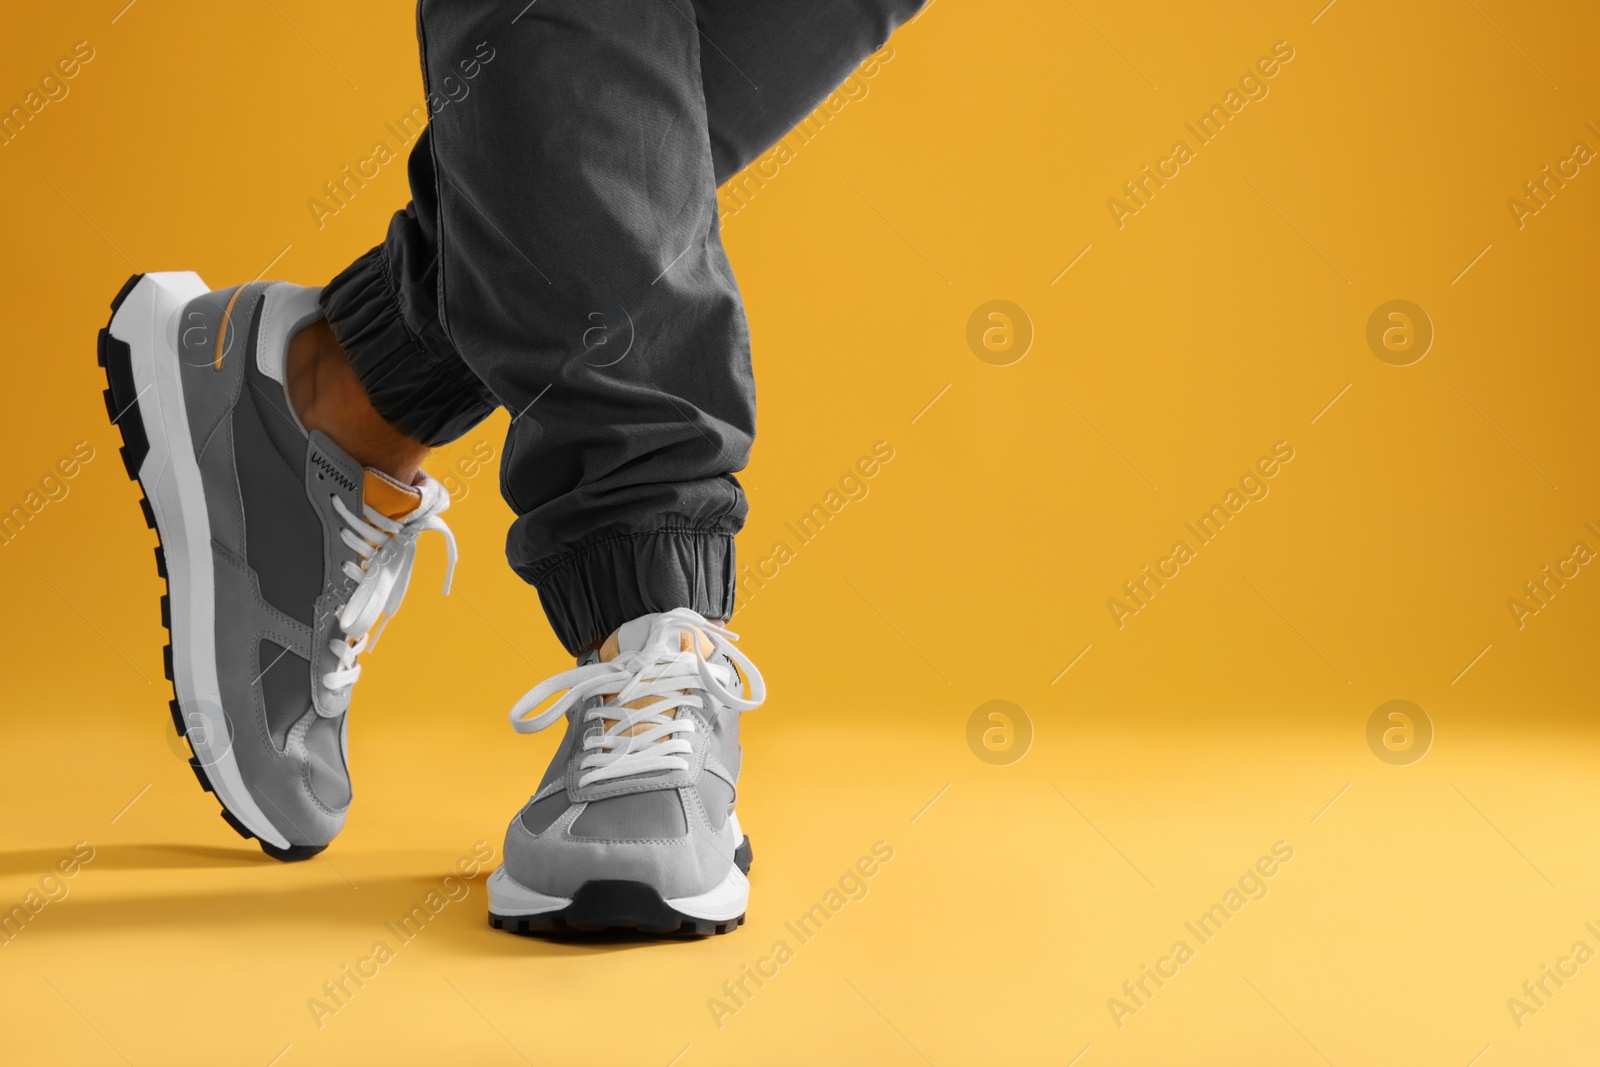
[
  {"x": 340, "y": 902},
  {"x": 138, "y": 857}
]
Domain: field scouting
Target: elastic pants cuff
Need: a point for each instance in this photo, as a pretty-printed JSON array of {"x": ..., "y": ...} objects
[
  {"x": 591, "y": 591},
  {"x": 430, "y": 396}
]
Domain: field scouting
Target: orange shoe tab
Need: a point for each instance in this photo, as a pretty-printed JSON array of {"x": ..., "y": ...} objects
[{"x": 387, "y": 496}]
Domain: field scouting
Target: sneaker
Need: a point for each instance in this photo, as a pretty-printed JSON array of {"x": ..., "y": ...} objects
[
  {"x": 633, "y": 826},
  {"x": 281, "y": 553}
]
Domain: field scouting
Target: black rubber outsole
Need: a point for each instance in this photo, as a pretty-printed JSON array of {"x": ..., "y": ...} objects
[
  {"x": 608, "y": 906},
  {"x": 122, "y": 408}
]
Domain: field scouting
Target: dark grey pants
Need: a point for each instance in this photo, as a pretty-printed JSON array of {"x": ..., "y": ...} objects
[{"x": 562, "y": 258}]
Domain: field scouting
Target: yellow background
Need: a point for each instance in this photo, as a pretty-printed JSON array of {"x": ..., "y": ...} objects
[{"x": 1225, "y": 716}]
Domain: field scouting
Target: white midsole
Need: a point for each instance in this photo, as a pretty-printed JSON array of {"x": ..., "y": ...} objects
[
  {"x": 148, "y": 323},
  {"x": 725, "y": 901},
  {"x": 507, "y": 896}
]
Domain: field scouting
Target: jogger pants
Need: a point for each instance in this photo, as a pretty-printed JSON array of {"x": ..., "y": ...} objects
[{"x": 562, "y": 258}]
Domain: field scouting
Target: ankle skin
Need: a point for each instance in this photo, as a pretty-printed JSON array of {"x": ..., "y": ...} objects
[{"x": 326, "y": 395}]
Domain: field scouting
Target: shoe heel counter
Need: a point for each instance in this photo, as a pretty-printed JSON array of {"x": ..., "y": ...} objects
[{"x": 210, "y": 338}]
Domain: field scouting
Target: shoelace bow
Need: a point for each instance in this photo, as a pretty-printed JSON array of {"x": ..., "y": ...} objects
[
  {"x": 663, "y": 682},
  {"x": 386, "y": 549}
]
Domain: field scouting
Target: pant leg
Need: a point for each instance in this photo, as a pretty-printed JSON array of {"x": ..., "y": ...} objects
[
  {"x": 384, "y": 309},
  {"x": 562, "y": 257},
  {"x": 766, "y": 66}
]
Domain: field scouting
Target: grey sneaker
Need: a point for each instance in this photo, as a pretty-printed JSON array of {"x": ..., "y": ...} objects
[
  {"x": 280, "y": 551},
  {"x": 633, "y": 826}
]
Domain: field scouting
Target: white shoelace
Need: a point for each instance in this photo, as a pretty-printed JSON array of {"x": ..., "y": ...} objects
[
  {"x": 387, "y": 549},
  {"x": 664, "y": 682}
]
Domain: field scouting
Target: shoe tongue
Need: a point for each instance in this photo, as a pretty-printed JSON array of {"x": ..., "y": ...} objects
[
  {"x": 389, "y": 497},
  {"x": 645, "y": 635}
]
